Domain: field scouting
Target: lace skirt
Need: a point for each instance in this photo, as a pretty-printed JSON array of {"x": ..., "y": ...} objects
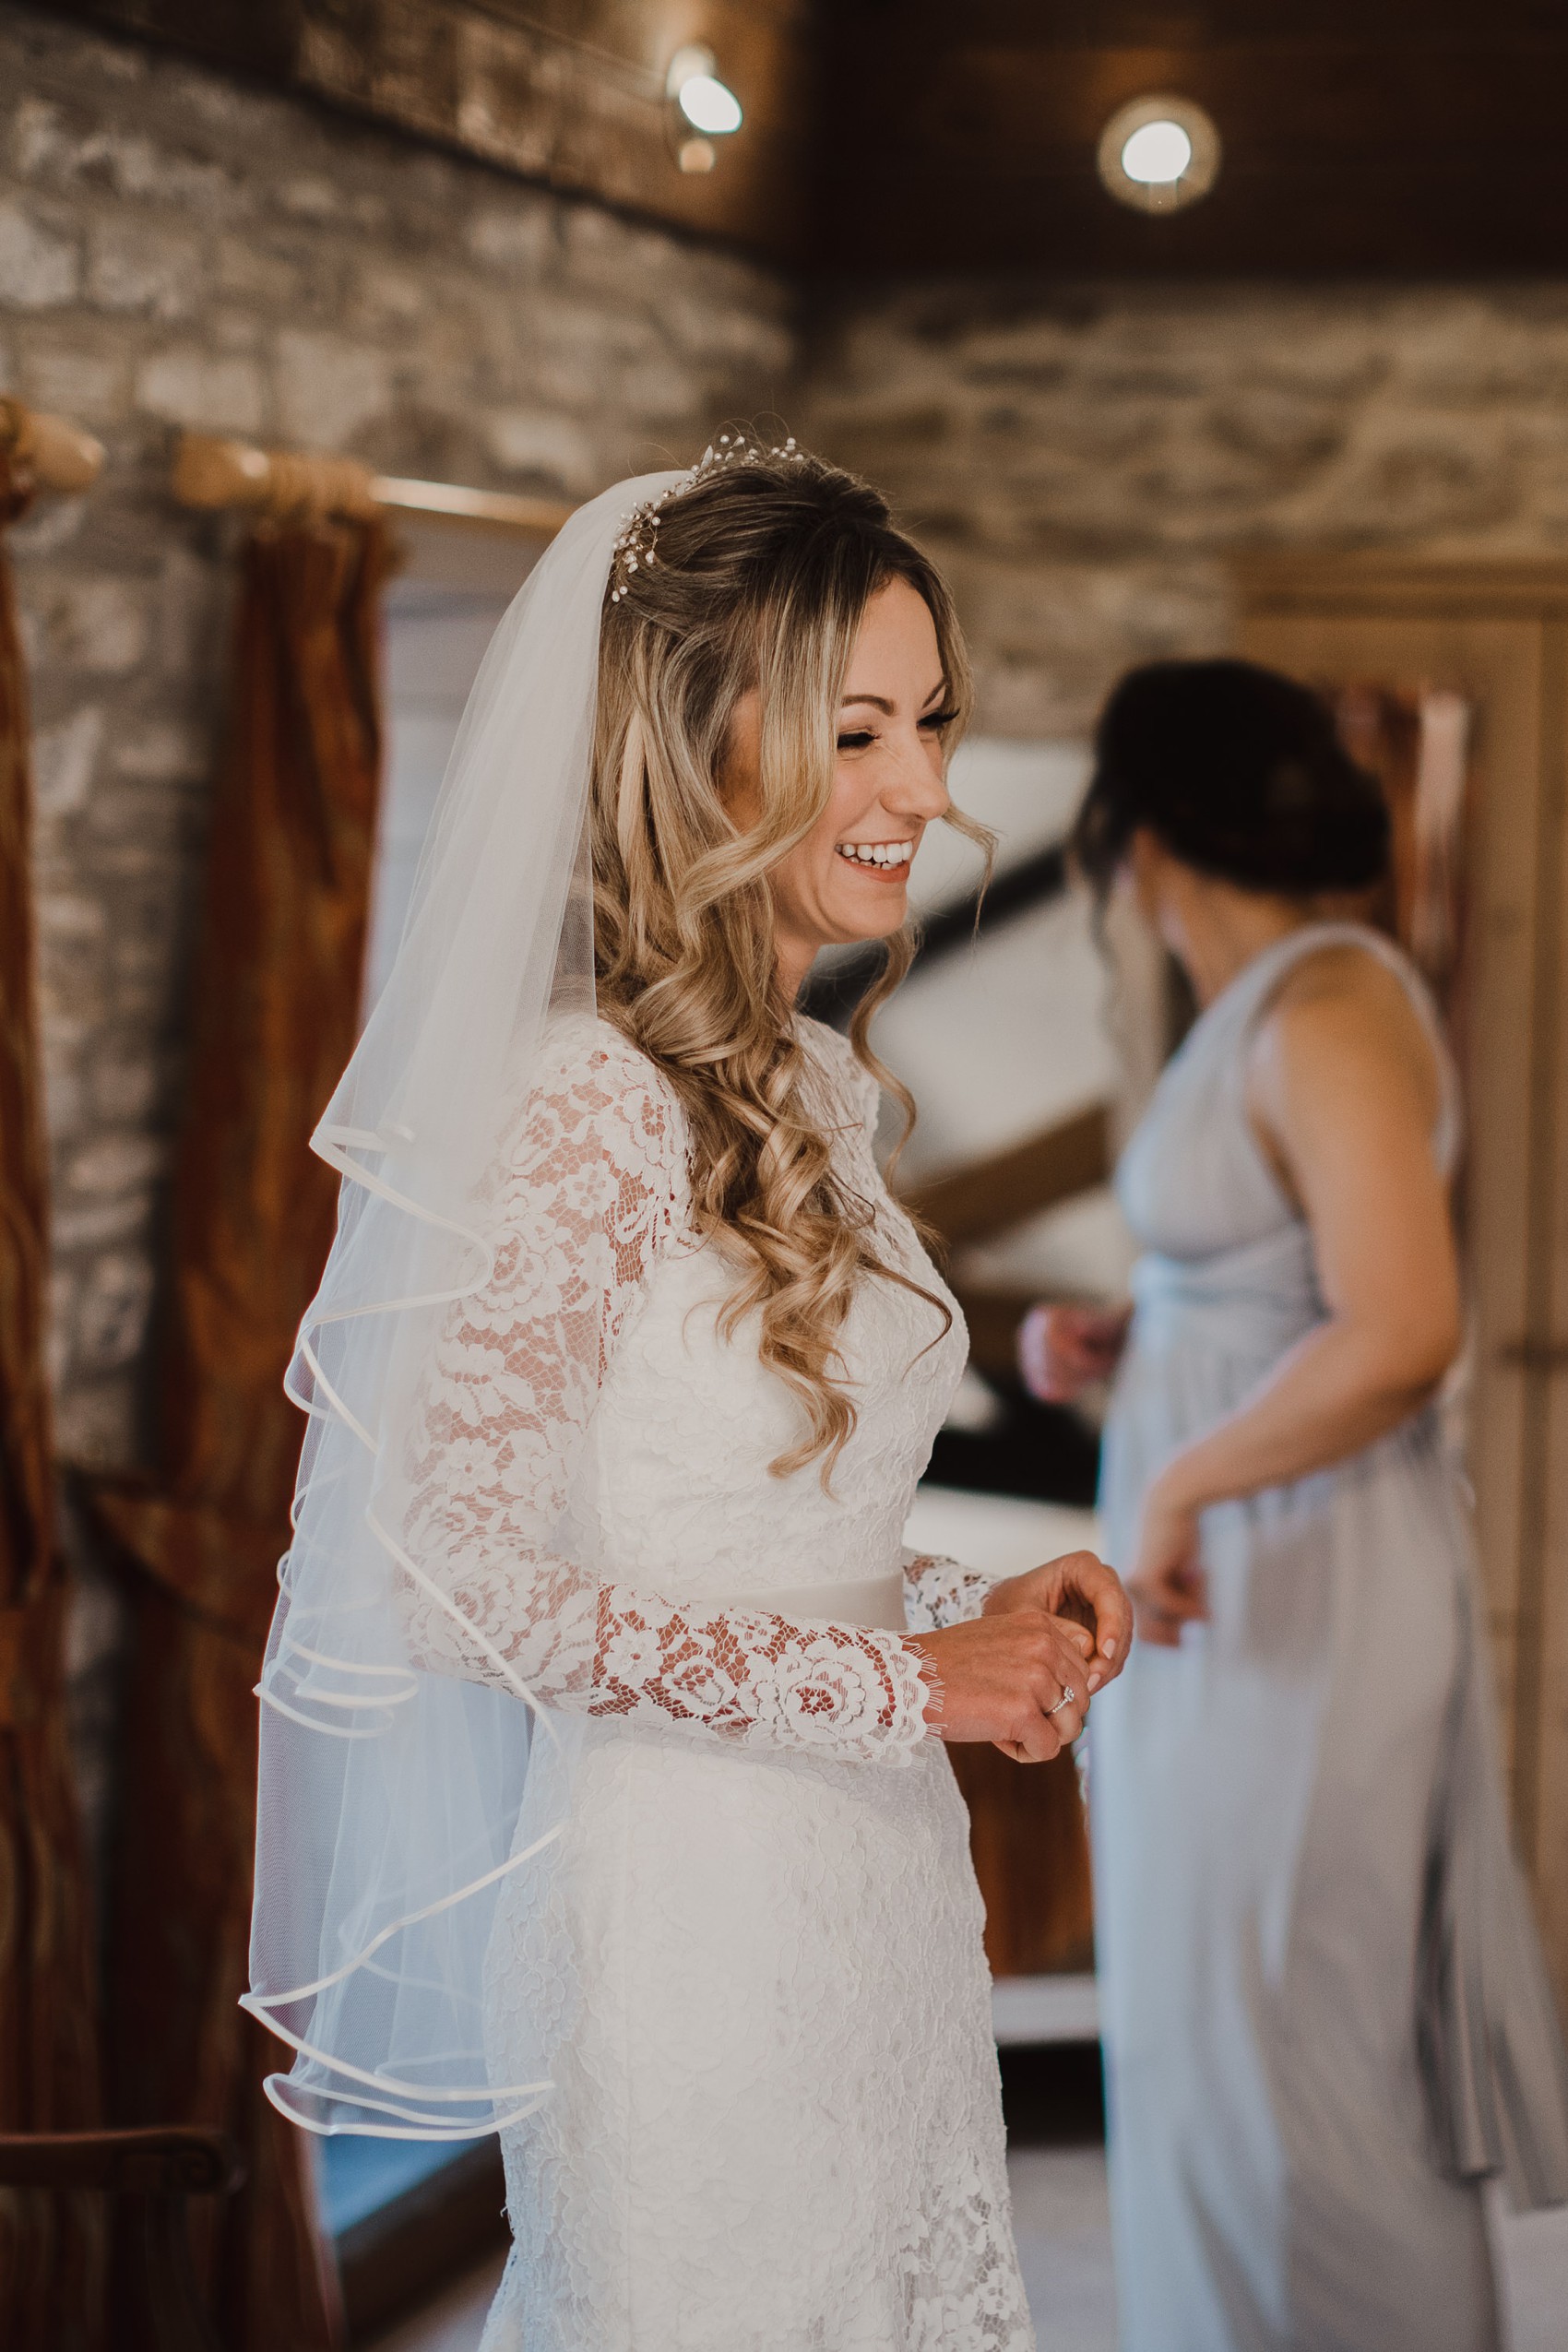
[{"x": 777, "y": 2123}]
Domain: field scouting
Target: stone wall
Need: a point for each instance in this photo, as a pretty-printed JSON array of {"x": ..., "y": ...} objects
[
  {"x": 1084, "y": 460},
  {"x": 179, "y": 249},
  {"x": 176, "y": 249}
]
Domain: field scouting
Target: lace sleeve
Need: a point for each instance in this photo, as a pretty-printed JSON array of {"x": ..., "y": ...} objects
[
  {"x": 938, "y": 1591},
  {"x": 593, "y": 1189}
]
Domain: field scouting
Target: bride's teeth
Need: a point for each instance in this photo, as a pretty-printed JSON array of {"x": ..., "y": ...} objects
[{"x": 875, "y": 853}]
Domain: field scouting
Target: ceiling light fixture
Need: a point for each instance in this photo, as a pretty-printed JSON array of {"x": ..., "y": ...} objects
[
  {"x": 699, "y": 103},
  {"x": 1159, "y": 154}
]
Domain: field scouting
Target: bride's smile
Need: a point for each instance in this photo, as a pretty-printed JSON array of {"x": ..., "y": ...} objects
[{"x": 849, "y": 879}]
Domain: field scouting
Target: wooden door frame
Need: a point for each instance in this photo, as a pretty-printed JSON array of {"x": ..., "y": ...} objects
[{"x": 1497, "y": 632}]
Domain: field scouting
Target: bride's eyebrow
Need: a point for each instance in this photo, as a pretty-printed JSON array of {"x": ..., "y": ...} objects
[{"x": 880, "y": 702}]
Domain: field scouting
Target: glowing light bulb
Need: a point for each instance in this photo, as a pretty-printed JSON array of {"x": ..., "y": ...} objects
[
  {"x": 1155, "y": 155},
  {"x": 708, "y": 105}
]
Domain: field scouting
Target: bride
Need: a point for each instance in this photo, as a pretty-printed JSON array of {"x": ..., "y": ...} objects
[{"x": 602, "y": 1798}]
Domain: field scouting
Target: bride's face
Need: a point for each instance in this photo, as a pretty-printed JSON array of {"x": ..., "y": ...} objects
[{"x": 849, "y": 879}]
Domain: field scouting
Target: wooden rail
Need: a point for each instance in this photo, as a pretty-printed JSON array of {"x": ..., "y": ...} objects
[
  {"x": 58, "y": 454},
  {"x": 988, "y": 1195},
  {"x": 214, "y": 473}
]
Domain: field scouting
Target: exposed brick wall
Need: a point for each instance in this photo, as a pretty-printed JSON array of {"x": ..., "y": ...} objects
[
  {"x": 178, "y": 250},
  {"x": 1085, "y": 459}
]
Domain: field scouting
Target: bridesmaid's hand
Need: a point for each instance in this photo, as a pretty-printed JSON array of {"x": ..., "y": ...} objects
[
  {"x": 1168, "y": 1586},
  {"x": 1063, "y": 1350},
  {"x": 1084, "y": 1590},
  {"x": 1007, "y": 1679}
]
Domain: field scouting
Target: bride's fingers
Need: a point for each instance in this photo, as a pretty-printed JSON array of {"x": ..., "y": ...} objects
[
  {"x": 1068, "y": 1717},
  {"x": 1064, "y": 1703},
  {"x": 1037, "y": 1740}
]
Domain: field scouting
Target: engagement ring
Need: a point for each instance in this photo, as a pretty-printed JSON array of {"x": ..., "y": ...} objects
[{"x": 1068, "y": 1695}]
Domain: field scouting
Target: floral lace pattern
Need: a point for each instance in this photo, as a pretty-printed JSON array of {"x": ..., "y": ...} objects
[
  {"x": 593, "y": 1189},
  {"x": 752, "y": 1966},
  {"x": 940, "y": 1592}
]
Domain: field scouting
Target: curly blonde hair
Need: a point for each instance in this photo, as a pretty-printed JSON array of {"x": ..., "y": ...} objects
[{"x": 765, "y": 568}]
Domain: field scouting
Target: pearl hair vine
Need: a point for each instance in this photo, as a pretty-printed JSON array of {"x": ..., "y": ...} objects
[{"x": 637, "y": 549}]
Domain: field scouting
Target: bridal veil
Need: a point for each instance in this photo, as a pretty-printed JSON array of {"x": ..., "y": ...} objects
[{"x": 389, "y": 1794}]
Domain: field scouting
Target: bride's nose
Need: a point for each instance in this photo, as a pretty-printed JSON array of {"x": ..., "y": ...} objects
[{"x": 913, "y": 790}]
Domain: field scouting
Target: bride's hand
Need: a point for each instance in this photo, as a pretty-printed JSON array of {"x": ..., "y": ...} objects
[
  {"x": 1082, "y": 1589},
  {"x": 1007, "y": 1679}
]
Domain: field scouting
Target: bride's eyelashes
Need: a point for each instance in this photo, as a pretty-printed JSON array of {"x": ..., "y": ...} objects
[{"x": 861, "y": 738}]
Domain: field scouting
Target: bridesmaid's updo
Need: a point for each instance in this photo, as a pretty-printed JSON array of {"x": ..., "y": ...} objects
[{"x": 1237, "y": 771}]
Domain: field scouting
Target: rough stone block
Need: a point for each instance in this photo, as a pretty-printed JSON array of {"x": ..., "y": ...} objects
[
  {"x": 555, "y": 449},
  {"x": 65, "y": 1104},
  {"x": 79, "y": 1228},
  {"x": 117, "y": 1162},
  {"x": 39, "y": 265},
  {"x": 329, "y": 388},
  {"x": 145, "y": 265},
  {"x": 124, "y": 1090},
  {"x": 259, "y": 272},
  {"x": 88, "y": 381},
  {"x": 186, "y": 384},
  {"x": 517, "y": 239},
  {"x": 64, "y": 760},
  {"x": 165, "y": 751},
  {"x": 96, "y": 1422},
  {"x": 99, "y": 625},
  {"x": 111, "y": 1312}
]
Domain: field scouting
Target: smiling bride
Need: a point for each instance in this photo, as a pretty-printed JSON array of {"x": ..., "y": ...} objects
[{"x": 604, "y": 1798}]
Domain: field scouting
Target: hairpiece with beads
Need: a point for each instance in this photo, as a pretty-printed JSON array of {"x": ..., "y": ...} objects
[{"x": 636, "y": 549}]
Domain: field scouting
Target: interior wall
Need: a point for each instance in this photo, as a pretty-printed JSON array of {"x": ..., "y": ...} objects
[
  {"x": 1085, "y": 459},
  {"x": 177, "y": 249}
]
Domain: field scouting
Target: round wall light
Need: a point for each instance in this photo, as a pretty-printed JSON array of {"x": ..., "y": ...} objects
[
  {"x": 701, "y": 108},
  {"x": 1159, "y": 154}
]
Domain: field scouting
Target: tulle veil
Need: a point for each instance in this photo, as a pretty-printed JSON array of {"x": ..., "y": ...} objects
[{"x": 390, "y": 1796}]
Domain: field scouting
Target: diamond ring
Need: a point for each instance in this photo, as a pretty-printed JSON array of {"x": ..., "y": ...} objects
[{"x": 1068, "y": 1695}]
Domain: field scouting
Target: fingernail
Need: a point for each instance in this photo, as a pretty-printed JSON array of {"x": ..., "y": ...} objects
[
  {"x": 1095, "y": 1681},
  {"x": 1109, "y": 1647}
]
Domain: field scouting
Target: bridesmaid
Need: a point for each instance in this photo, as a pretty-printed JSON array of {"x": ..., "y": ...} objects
[{"x": 1325, "y": 2013}]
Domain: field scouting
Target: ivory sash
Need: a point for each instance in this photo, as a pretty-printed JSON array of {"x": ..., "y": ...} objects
[{"x": 868, "y": 1600}]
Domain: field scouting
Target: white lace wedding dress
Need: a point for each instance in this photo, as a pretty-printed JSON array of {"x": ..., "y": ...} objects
[{"x": 756, "y": 1953}]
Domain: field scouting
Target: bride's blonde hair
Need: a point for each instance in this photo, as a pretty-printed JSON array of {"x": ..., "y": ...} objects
[{"x": 761, "y": 572}]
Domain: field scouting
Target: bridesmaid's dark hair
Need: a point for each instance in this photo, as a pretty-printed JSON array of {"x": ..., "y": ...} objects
[{"x": 1239, "y": 772}]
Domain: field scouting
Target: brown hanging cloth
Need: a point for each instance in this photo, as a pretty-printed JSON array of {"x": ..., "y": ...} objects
[
  {"x": 52, "y": 2247},
  {"x": 274, "y": 1014}
]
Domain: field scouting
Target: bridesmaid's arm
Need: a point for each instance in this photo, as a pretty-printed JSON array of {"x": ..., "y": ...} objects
[{"x": 1344, "y": 1095}]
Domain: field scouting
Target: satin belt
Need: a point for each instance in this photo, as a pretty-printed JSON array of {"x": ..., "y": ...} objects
[
  {"x": 869, "y": 1600},
  {"x": 1253, "y": 1301}
]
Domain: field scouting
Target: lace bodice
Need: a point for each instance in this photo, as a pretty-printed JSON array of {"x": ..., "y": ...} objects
[{"x": 590, "y": 1486}]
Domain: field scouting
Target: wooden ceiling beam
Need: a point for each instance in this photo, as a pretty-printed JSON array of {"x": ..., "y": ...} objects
[
  {"x": 912, "y": 137},
  {"x": 566, "y": 92},
  {"x": 1364, "y": 142}
]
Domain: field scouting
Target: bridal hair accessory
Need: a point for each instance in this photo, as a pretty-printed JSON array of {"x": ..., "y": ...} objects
[
  {"x": 637, "y": 549},
  {"x": 402, "y": 1802}
]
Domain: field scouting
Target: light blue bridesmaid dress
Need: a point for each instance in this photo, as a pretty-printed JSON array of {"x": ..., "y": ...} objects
[{"x": 1326, "y": 2013}]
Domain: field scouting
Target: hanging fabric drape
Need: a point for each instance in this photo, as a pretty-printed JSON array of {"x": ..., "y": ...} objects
[
  {"x": 274, "y": 1012},
  {"x": 50, "y": 2248}
]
